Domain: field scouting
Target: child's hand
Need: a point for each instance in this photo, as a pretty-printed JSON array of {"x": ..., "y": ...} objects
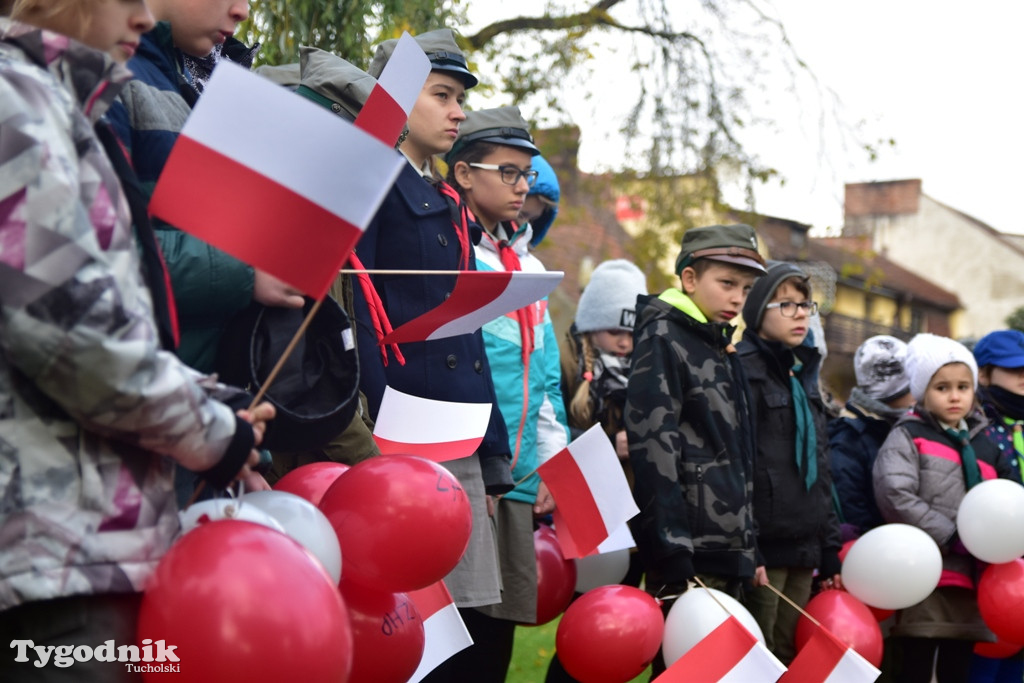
[
  {"x": 621, "y": 445},
  {"x": 270, "y": 291},
  {"x": 544, "y": 503}
]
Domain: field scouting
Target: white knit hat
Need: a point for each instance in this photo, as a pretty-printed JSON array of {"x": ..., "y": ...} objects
[
  {"x": 880, "y": 364},
  {"x": 609, "y": 300},
  {"x": 926, "y": 353}
]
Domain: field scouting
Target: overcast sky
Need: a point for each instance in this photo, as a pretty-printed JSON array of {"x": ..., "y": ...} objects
[{"x": 941, "y": 78}]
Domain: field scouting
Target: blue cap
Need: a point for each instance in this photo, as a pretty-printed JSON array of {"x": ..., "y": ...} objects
[{"x": 1002, "y": 348}]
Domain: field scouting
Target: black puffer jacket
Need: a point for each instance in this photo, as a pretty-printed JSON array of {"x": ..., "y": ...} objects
[{"x": 796, "y": 527}]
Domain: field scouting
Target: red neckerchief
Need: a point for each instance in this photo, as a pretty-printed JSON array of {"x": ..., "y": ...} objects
[
  {"x": 381, "y": 325},
  {"x": 524, "y": 315}
]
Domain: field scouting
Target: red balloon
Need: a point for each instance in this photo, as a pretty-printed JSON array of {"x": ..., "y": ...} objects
[
  {"x": 1001, "y": 600},
  {"x": 403, "y": 522},
  {"x": 311, "y": 481},
  {"x": 997, "y": 650},
  {"x": 845, "y": 549},
  {"x": 242, "y": 602},
  {"x": 609, "y": 634},
  {"x": 556, "y": 576},
  {"x": 387, "y": 632},
  {"x": 845, "y": 617}
]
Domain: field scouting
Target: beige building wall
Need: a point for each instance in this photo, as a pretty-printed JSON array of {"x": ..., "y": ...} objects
[{"x": 954, "y": 251}]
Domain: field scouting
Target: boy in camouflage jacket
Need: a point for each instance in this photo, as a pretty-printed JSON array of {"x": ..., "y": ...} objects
[{"x": 691, "y": 440}]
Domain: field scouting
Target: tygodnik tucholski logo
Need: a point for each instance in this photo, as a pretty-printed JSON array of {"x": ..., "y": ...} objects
[{"x": 63, "y": 656}]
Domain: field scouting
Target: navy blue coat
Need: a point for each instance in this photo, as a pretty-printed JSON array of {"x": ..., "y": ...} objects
[{"x": 413, "y": 230}]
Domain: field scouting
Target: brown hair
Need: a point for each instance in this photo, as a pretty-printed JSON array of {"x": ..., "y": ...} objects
[
  {"x": 38, "y": 11},
  {"x": 471, "y": 153},
  {"x": 581, "y": 412}
]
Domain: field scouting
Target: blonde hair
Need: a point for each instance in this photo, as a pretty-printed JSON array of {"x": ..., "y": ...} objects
[
  {"x": 38, "y": 11},
  {"x": 581, "y": 409}
]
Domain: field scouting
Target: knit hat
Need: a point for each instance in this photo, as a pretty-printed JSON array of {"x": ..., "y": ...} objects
[
  {"x": 764, "y": 289},
  {"x": 501, "y": 126},
  {"x": 926, "y": 353},
  {"x": 609, "y": 300},
  {"x": 334, "y": 83},
  {"x": 736, "y": 244},
  {"x": 880, "y": 365},
  {"x": 441, "y": 49},
  {"x": 1002, "y": 348}
]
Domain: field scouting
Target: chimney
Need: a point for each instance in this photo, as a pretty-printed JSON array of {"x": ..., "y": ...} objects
[{"x": 888, "y": 198}]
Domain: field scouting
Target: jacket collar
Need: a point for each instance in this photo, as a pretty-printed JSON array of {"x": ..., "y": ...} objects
[{"x": 672, "y": 305}]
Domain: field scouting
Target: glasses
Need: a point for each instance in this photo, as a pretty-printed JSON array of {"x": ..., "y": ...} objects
[
  {"x": 510, "y": 175},
  {"x": 788, "y": 309}
]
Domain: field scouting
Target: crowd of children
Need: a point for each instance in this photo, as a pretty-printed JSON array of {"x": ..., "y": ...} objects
[{"x": 742, "y": 478}]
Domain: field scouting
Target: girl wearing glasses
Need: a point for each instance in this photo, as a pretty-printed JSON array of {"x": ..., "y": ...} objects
[
  {"x": 798, "y": 530},
  {"x": 491, "y": 167}
]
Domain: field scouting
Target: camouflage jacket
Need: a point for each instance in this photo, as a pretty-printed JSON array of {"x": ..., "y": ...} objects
[
  {"x": 690, "y": 444},
  {"x": 89, "y": 404}
]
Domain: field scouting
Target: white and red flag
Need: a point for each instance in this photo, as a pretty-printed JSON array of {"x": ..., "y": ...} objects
[
  {"x": 592, "y": 496},
  {"x": 435, "y": 430},
  {"x": 287, "y": 186},
  {"x": 443, "y": 629},
  {"x": 387, "y": 108},
  {"x": 729, "y": 654},
  {"x": 478, "y": 297},
  {"x": 826, "y": 659}
]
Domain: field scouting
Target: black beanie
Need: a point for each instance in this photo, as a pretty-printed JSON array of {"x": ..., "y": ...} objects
[{"x": 764, "y": 289}]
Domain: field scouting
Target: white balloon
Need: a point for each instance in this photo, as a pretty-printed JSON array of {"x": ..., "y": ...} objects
[
  {"x": 990, "y": 521},
  {"x": 892, "y": 566},
  {"x": 605, "y": 569},
  {"x": 216, "y": 509},
  {"x": 303, "y": 522},
  {"x": 698, "y": 612}
]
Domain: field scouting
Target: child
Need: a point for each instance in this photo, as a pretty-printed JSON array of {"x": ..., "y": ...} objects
[
  {"x": 688, "y": 420},
  {"x": 930, "y": 459},
  {"x": 797, "y": 526},
  {"x": 881, "y": 397},
  {"x": 602, "y": 338},
  {"x": 171, "y": 66},
  {"x": 94, "y": 411},
  {"x": 423, "y": 225},
  {"x": 1000, "y": 358},
  {"x": 490, "y": 166}
]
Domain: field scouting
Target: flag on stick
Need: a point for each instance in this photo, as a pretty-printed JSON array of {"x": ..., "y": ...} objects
[
  {"x": 478, "y": 297},
  {"x": 435, "y": 430},
  {"x": 392, "y": 99},
  {"x": 288, "y": 187},
  {"x": 729, "y": 654},
  {"x": 592, "y": 496},
  {"x": 444, "y": 632},
  {"x": 826, "y": 659}
]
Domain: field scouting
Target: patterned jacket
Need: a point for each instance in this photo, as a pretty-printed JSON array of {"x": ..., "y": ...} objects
[
  {"x": 148, "y": 115},
  {"x": 89, "y": 403},
  {"x": 691, "y": 445}
]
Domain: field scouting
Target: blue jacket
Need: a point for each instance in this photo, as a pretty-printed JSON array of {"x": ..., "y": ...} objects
[
  {"x": 148, "y": 116},
  {"x": 413, "y": 230},
  {"x": 546, "y": 186},
  {"x": 529, "y": 396}
]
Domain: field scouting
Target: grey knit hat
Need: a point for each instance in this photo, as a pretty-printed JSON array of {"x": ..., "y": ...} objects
[
  {"x": 609, "y": 300},
  {"x": 926, "y": 353},
  {"x": 880, "y": 366},
  {"x": 441, "y": 49},
  {"x": 764, "y": 289}
]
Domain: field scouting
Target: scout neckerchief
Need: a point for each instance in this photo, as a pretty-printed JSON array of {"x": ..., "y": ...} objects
[{"x": 378, "y": 316}]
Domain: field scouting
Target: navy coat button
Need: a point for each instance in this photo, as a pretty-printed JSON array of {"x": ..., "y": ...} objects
[
  {"x": 478, "y": 366},
  {"x": 452, "y": 361},
  {"x": 442, "y": 240}
]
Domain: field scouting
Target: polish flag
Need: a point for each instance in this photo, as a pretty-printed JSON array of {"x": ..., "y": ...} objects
[
  {"x": 273, "y": 179},
  {"x": 435, "y": 430},
  {"x": 592, "y": 496},
  {"x": 478, "y": 297},
  {"x": 444, "y": 632},
  {"x": 826, "y": 659},
  {"x": 729, "y": 654},
  {"x": 392, "y": 99}
]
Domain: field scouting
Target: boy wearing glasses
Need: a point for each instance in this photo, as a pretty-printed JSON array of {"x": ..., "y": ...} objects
[
  {"x": 688, "y": 420},
  {"x": 798, "y": 530}
]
